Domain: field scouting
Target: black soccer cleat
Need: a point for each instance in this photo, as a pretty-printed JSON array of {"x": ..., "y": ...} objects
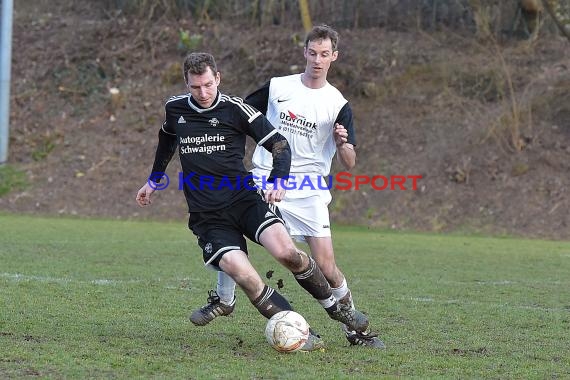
[
  {"x": 352, "y": 318},
  {"x": 367, "y": 339},
  {"x": 214, "y": 308}
]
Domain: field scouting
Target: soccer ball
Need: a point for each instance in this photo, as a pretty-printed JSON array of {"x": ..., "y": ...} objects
[{"x": 287, "y": 331}]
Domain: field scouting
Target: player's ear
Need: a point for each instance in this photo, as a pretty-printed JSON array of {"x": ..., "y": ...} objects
[
  {"x": 218, "y": 78},
  {"x": 334, "y": 55}
]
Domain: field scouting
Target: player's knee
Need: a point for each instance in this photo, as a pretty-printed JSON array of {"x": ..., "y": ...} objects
[
  {"x": 230, "y": 260},
  {"x": 292, "y": 258}
]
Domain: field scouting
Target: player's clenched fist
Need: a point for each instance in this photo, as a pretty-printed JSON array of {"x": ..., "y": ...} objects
[{"x": 143, "y": 195}]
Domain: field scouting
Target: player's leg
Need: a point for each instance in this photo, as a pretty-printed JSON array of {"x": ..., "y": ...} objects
[
  {"x": 323, "y": 254},
  {"x": 276, "y": 240},
  {"x": 265, "y": 299},
  {"x": 322, "y": 251},
  {"x": 309, "y": 217},
  {"x": 278, "y": 243},
  {"x": 215, "y": 236},
  {"x": 225, "y": 287},
  {"x": 261, "y": 223},
  {"x": 225, "y": 250}
]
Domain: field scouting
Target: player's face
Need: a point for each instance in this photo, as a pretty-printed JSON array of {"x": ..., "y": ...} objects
[
  {"x": 319, "y": 55},
  {"x": 204, "y": 87}
]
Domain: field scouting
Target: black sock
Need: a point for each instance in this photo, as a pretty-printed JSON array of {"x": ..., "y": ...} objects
[
  {"x": 314, "y": 281},
  {"x": 270, "y": 302}
]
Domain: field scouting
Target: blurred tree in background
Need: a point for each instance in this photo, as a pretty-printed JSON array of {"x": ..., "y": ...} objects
[{"x": 483, "y": 17}]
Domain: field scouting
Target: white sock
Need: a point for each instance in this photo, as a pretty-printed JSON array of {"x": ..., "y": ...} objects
[
  {"x": 328, "y": 302},
  {"x": 342, "y": 291},
  {"x": 226, "y": 288}
]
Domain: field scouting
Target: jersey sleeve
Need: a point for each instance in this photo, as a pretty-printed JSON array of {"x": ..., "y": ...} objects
[
  {"x": 345, "y": 118},
  {"x": 263, "y": 133},
  {"x": 165, "y": 149},
  {"x": 259, "y": 98},
  {"x": 251, "y": 121}
]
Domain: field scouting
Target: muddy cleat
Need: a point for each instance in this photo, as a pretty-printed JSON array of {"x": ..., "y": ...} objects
[
  {"x": 352, "y": 318},
  {"x": 213, "y": 309},
  {"x": 367, "y": 339},
  {"x": 313, "y": 343}
]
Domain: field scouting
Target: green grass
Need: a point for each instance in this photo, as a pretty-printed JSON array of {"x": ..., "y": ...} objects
[
  {"x": 110, "y": 299},
  {"x": 11, "y": 179}
]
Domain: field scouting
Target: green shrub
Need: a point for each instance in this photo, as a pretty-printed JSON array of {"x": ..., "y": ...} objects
[{"x": 11, "y": 179}]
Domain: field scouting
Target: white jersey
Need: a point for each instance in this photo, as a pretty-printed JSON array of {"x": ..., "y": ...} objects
[{"x": 306, "y": 117}]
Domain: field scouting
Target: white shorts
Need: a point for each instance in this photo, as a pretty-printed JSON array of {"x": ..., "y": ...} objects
[{"x": 306, "y": 213}]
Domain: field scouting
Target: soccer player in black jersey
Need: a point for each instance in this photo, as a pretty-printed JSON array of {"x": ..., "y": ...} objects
[{"x": 209, "y": 129}]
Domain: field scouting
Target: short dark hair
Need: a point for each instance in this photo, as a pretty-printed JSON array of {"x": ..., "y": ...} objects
[
  {"x": 322, "y": 32},
  {"x": 198, "y": 63}
]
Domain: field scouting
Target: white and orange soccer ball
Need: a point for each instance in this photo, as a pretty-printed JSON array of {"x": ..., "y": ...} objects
[{"x": 287, "y": 331}]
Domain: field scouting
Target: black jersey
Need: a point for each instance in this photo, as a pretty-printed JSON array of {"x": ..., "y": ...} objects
[{"x": 211, "y": 144}]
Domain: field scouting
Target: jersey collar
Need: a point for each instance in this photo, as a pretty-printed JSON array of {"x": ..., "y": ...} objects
[{"x": 200, "y": 109}]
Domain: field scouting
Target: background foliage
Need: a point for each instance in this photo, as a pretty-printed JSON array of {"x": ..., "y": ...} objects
[{"x": 464, "y": 15}]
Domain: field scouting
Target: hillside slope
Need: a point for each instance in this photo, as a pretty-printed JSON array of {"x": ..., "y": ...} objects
[{"x": 486, "y": 125}]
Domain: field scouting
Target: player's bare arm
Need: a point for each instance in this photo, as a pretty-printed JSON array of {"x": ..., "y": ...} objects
[{"x": 345, "y": 150}]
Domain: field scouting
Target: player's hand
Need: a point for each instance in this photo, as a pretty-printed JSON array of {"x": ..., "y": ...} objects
[
  {"x": 277, "y": 193},
  {"x": 143, "y": 195},
  {"x": 340, "y": 134}
]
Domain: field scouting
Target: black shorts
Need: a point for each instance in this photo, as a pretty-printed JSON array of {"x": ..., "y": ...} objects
[{"x": 223, "y": 230}]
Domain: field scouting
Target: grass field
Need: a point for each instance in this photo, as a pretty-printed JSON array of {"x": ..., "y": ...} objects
[{"x": 110, "y": 299}]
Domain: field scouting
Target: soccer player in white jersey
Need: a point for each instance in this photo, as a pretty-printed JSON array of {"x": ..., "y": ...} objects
[{"x": 317, "y": 121}]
